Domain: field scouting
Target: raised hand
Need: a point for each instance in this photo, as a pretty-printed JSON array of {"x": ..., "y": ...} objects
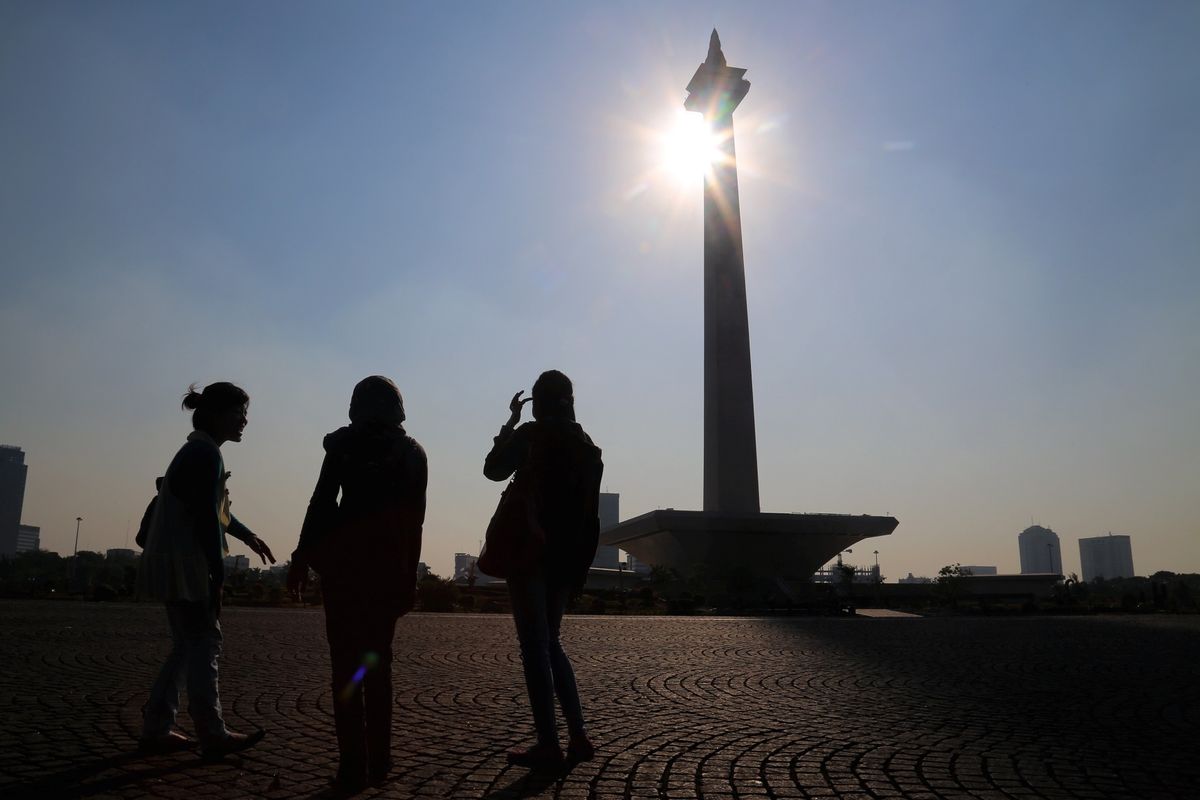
[{"x": 514, "y": 407}]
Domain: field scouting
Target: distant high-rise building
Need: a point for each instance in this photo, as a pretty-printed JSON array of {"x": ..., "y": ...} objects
[
  {"x": 1106, "y": 557},
  {"x": 29, "y": 538},
  {"x": 464, "y": 564},
  {"x": 1040, "y": 551},
  {"x": 610, "y": 510},
  {"x": 12, "y": 496},
  {"x": 978, "y": 570},
  {"x": 466, "y": 568},
  {"x": 608, "y": 556}
]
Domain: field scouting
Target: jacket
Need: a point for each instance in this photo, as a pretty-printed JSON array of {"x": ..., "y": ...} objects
[
  {"x": 566, "y": 468},
  {"x": 370, "y": 540},
  {"x": 185, "y": 538}
]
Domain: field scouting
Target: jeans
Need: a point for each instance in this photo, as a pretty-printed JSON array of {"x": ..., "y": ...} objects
[
  {"x": 195, "y": 648},
  {"x": 360, "y": 634},
  {"x": 538, "y": 607}
]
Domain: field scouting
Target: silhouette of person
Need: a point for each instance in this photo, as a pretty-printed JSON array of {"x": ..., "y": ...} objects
[
  {"x": 565, "y": 468},
  {"x": 183, "y": 565},
  {"x": 365, "y": 550}
]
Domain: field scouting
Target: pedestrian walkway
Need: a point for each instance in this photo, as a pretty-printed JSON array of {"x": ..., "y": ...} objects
[
  {"x": 682, "y": 707},
  {"x": 885, "y": 613}
]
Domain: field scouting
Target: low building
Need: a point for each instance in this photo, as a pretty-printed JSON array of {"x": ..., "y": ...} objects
[
  {"x": 236, "y": 564},
  {"x": 620, "y": 578},
  {"x": 637, "y": 566},
  {"x": 116, "y": 554},
  {"x": 977, "y": 570},
  {"x": 834, "y": 574},
  {"x": 1011, "y": 587},
  {"x": 967, "y": 588}
]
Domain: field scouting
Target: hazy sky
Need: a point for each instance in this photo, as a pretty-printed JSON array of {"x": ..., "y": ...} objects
[{"x": 971, "y": 237}]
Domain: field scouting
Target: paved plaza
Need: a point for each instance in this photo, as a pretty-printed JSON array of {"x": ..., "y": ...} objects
[{"x": 679, "y": 707}]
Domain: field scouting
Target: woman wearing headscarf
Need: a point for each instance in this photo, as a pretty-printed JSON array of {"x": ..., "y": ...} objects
[
  {"x": 183, "y": 566},
  {"x": 556, "y": 456},
  {"x": 365, "y": 548}
]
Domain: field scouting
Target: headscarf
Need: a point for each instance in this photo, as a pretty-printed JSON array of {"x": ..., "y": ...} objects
[
  {"x": 553, "y": 396},
  {"x": 376, "y": 400}
]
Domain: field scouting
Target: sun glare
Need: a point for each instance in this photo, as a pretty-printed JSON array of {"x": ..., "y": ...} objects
[{"x": 689, "y": 147}]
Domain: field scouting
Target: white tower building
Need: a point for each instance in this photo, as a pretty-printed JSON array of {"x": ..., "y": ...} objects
[{"x": 1106, "y": 557}]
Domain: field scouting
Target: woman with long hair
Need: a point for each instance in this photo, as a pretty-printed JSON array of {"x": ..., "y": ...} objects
[
  {"x": 562, "y": 466},
  {"x": 366, "y": 550},
  {"x": 183, "y": 566}
]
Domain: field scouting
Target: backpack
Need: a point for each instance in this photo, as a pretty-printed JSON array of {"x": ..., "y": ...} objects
[{"x": 144, "y": 527}]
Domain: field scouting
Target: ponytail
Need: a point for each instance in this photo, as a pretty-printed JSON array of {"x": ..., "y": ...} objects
[{"x": 216, "y": 399}]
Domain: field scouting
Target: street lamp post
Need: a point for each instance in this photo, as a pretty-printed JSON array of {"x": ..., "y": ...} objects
[{"x": 75, "y": 553}]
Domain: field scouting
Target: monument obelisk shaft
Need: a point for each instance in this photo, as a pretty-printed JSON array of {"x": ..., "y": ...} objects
[
  {"x": 732, "y": 536},
  {"x": 730, "y": 449}
]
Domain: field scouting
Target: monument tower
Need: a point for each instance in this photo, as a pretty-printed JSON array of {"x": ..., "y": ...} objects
[
  {"x": 730, "y": 452},
  {"x": 732, "y": 533}
]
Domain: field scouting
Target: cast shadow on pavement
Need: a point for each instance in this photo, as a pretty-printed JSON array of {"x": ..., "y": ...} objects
[
  {"x": 531, "y": 784},
  {"x": 73, "y": 781}
]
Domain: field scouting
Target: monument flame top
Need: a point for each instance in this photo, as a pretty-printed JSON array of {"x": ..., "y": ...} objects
[{"x": 717, "y": 88}]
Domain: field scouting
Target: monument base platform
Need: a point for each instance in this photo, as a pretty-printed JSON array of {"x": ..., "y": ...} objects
[{"x": 765, "y": 545}]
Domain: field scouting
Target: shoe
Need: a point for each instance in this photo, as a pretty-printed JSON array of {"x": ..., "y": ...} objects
[
  {"x": 230, "y": 743},
  {"x": 348, "y": 784},
  {"x": 378, "y": 777},
  {"x": 541, "y": 756},
  {"x": 580, "y": 748},
  {"x": 169, "y": 742}
]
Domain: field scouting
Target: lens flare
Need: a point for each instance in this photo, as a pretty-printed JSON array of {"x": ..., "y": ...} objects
[{"x": 369, "y": 662}]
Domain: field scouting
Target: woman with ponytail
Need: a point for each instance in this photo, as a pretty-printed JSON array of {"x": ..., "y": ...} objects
[
  {"x": 183, "y": 566},
  {"x": 558, "y": 460}
]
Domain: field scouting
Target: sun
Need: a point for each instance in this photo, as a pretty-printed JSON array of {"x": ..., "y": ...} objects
[{"x": 688, "y": 147}]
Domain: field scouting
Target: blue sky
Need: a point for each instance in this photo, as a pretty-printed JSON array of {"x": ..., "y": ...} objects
[{"x": 972, "y": 258}]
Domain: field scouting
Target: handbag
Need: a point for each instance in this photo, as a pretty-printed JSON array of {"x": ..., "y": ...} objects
[{"x": 515, "y": 540}]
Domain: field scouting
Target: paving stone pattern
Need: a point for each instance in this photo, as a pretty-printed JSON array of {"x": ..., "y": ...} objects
[{"x": 679, "y": 707}]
